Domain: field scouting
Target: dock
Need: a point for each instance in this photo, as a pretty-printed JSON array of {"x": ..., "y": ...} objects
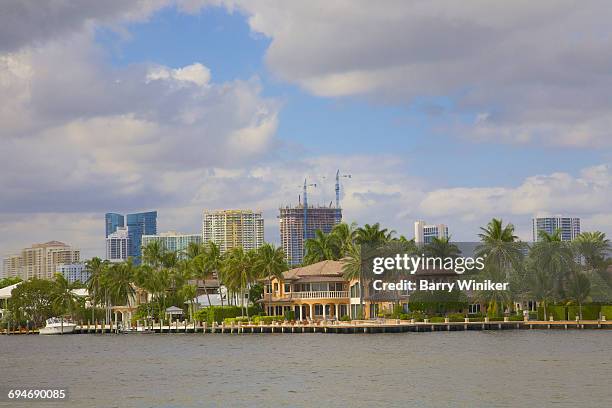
[{"x": 354, "y": 327}]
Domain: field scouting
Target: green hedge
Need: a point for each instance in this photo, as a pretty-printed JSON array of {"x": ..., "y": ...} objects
[
  {"x": 437, "y": 319},
  {"x": 606, "y": 310},
  {"x": 220, "y": 313},
  {"x": 558, "y": 312},
  {"x": 589, "y": 311},
  {"x": 456, "y": 317}
]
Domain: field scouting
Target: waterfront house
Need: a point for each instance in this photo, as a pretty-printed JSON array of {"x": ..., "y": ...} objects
[{"x": 314, "y": 292}]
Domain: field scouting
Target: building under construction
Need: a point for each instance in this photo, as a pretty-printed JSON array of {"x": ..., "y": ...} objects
[
  {"x": 299, "y": 223},
  {"x": 292, "y": 230}
]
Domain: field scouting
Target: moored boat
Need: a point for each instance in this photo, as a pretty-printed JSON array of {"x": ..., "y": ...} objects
[{"x": 55, "y": 325}]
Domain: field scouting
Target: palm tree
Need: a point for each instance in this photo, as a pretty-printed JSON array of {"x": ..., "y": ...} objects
[
  {"x": 579, "y": 289},
  {"x": 122, "y": 276},
  {"x": 63, "y": 298},
  {"x": 554, "y": 256},
  {"x": 594, "y": 248},
  {"x": 540, "y": 285},
  {"x": 189, "y": 292},
  {"x": 193, "y": 250},
  {"x": 352, "y": 269},
  {"x": 238, "y": 271},
  {"x": 270, "y": 263},
  {"x": 372, "y": 235},
  {"x": 97, "y": 269},
  {"x": 367, "y": 238},
  {"x": 500, "y": 247},
  {"x": 153, "y": 254},
  {"x": 442, "y": 248},
  {"x": 322, "y": 247},
  {"x": 214, "y": 260},
  {"x": 201, "y": 271},
  {"x": 345, "y": 236}
]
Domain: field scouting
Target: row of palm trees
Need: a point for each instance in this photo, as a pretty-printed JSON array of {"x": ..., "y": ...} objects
[
  {"x": 171, "y": 277},
  {"x": 550, "y": 270}
]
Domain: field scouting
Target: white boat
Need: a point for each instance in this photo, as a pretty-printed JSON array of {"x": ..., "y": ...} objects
[{"x": 54, "y": 326}]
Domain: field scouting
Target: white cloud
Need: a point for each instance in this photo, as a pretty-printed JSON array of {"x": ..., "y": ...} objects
[
  {"x": 540, "y": 71},
  {"x": 586, "y": 196},
  {"x": 195, "y": 73}
]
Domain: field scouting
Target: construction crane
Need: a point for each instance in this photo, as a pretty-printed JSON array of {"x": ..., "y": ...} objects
[
  {"x": 338, "y": 176},
  {"x": 306, "y": 185}
]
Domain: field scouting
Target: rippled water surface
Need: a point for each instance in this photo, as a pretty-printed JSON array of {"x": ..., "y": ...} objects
[{"x": 444, "y": 369}]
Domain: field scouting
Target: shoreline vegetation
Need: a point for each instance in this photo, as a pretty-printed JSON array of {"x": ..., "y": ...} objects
[{"x": 566, "y": 281}]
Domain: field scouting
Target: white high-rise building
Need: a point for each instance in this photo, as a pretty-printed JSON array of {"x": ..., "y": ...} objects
[
  {"x": 118, "y": 245},
  {"x": 173, "y": 241},
  {"x": 233, "y": 228},
  {"x": 569, "y": 226},
  {"x": 424, "y": 233}
]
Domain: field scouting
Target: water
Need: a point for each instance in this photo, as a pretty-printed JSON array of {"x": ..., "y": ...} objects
[{"x": 458, "y": 369}]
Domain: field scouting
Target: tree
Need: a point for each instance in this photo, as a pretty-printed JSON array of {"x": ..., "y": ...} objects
[
  {"x": 372, "y": 235},
  {"x": 154, "y": 254},
  {"x": 238, "y": 272},
  {"x": 201, "y": 271},
  {"x": 352, "y": 269},
  {"x": 367, "y": 238},
  {"x": 9, "y": 281},
  {"x": 322, "y": 247},
  {"x": 270, "y": 263},
  {"x": 442, "y": 248},
  {"x": 503, "y": 259},
  {"x": 579, "y": 289},
  {"x": 593, "y": 247},
  {"x": 120, "y": 284},
  {"x": 96, "y": 269},
  {"x": 214, "y": 260},
  {"x": 540, "y": 285},
  {"x": 555, "y": 257},
  {"x": 345, "y": 235},
  {"x": 64, "y": 300},
  {"x": 33, "y": 300},
  {"x": 500, "y": 247},
  {"x": 189, "y": 292},
  {"x": 193, "y": 250}
]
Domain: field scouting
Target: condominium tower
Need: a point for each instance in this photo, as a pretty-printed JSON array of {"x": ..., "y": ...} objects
[
  {"x": 424, "y": 233},
  {"x": 173, "y": 241},
  {"x": 299, "y": 223},
  {"x": 138, "y": 224},
  {"x": 569, "y": 226},
  {"x": 119, "y": 245},
  {"x": 40, "y": 260},
  {"x": 233, "y": 228}
]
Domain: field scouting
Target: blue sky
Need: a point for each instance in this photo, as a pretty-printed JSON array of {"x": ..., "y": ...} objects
[
  {"x": 446, "y": 113},
  {"x": 223, "y": 41}
]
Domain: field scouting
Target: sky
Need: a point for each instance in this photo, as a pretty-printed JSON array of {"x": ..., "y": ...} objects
[{"x": 449, "y": 112}]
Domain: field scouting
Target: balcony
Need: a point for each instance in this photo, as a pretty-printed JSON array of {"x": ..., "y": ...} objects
[{"x": 324, "y": 294}]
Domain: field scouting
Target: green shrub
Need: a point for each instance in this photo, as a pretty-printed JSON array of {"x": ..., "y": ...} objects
[
  {"x": 606, "y": 310},
  {"x": 438, "y": 301},
  {"x": 456, "y": 317},
  {"x": 404, "y": 316},
  {"x": 289, "y": 315},
  {"x": 220, "y": 313},
  {"x": 516, "y": 318},
  {"x": 558, "y": 312},
  {"x": 589, "y": 311},
  {"x": 345, "y": 318},
  {"x": 267, "y": 319},
  {"x": 437, "y": 319}
]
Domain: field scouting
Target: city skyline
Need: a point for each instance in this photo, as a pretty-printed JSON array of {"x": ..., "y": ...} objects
[{"x": 101, "y": 110}]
